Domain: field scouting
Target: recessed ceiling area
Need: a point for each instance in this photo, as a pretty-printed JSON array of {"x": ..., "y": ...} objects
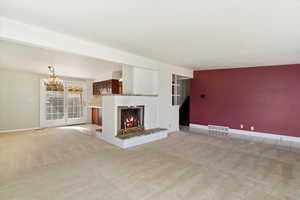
[
  {"x": 34, "y": 59},
  {"x": 198, "y": 34}
]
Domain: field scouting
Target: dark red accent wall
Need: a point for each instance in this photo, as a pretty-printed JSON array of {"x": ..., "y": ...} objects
[{"x": 267, "y": 98}]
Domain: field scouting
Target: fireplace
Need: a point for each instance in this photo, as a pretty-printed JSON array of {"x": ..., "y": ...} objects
[{"x": 130, "y": 120}]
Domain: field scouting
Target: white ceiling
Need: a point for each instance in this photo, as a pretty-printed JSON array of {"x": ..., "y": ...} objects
[
  {"x": 33, "y": 59},
  {"x": 195, "y": 33}
]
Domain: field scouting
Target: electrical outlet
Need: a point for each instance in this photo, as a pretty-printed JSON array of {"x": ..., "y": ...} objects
[{"x": 252, "y": 128}]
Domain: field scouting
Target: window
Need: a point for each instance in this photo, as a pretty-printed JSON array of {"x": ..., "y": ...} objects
[
  {"x": 54, "y": 105},
  {"x": 175, "y": 90},
  {"x": 63, "y": 105},
  {"x": 75, "y": 104}
]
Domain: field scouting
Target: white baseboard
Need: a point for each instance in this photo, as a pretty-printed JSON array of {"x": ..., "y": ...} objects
[
  {"x": 131, "y": 142},
  {"x": 19, "y": 130},
  {"x": 143, "y": 139},
  {"x": 253, "y": 133},
  {"x": 35, "y": 128},
  {"x": 199, "y": 126}
]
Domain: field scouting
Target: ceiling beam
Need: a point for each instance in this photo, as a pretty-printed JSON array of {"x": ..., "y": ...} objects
[{"x": 40, "y": 37}]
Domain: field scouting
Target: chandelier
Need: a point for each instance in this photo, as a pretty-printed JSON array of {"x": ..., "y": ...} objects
[{"x": 53, "y": 83}]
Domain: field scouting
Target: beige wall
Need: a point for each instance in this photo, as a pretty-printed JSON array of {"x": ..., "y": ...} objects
[{"x": 19, "y": 99}]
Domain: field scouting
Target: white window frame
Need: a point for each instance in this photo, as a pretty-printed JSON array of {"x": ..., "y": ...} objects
[
  {"x": 65, "y": 121},
  {"x": 84, "y": 99},
  {"x": 175, "y": 93}
]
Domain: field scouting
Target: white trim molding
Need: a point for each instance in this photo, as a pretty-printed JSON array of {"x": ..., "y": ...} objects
[
  {"x": 253, "y": 133},
  {"x": 19, "y": 130},
  {"x": 65, "y": 121}
]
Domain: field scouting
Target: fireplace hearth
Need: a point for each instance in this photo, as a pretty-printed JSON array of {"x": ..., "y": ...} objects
[{"x": 130, "y": 120}]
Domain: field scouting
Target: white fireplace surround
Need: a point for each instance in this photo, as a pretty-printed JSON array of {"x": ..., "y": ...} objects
[{"x": 110, "y": 119}]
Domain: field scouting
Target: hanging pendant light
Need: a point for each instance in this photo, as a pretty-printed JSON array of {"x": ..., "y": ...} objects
[{"x": 53, "y": 83}]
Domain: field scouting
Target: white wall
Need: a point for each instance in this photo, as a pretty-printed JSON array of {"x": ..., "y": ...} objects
[
  {"x": 117, "y": 75},
  {"x": 145, "y": 81},
  {"x": 103, "y": 77},
  {"x": 35, "y": 36},
  {"x": 137, "y": 80},
  {"x": 127, "y": 76},
  {"x": 159, "y": 82},
  {"x": 109, "y": 118},
  {"x": 20, "y": 99},
  {"x": 168, "y": 114}
]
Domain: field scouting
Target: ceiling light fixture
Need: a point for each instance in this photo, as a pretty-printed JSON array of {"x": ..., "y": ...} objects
[{"x": 53, "y": 83}]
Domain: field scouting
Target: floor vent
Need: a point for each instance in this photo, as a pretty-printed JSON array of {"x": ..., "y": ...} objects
[{"x": 218, "y": 130}]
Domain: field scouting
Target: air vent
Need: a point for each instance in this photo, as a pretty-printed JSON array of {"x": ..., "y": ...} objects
[{"x": 218, "y": 130}]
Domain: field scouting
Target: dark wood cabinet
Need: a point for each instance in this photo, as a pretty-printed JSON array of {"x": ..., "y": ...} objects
[
  {"x": 107, "y": 87},
  {"x": 102, "y": 88},
  {"x": 97, "y": 116}
]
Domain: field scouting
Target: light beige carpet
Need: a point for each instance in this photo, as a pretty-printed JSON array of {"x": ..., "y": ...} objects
[{"x": 70, "y": 163}]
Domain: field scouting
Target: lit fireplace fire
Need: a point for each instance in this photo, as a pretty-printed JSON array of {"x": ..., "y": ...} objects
[{"x": 131, "y": 122}]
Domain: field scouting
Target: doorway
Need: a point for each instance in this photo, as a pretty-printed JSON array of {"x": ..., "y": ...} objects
[
  {"x": 184, "y": 109},
  {"x": 64, "y": 106}
]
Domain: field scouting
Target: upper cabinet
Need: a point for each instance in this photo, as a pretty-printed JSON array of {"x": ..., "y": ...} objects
[{"x": 107, "y": 87}]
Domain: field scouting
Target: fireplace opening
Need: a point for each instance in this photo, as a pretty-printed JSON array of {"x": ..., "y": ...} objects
[{"x": 130, "y": 120}]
